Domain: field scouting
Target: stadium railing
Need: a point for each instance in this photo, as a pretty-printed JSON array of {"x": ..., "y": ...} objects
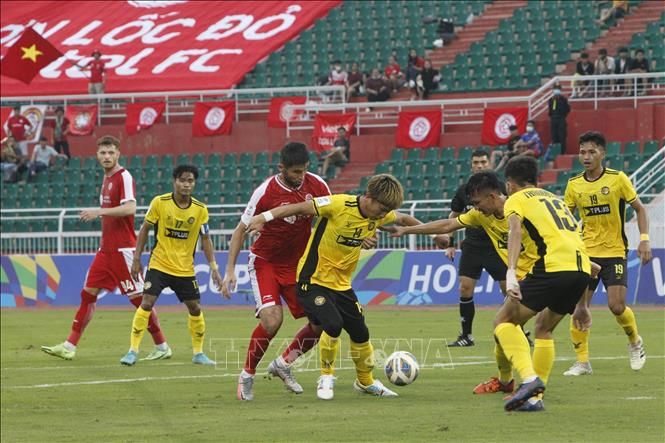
[
  {"x": 84, "y": 242},
  {"x": 181, "y": 103},
  {"x": 469, "y": 111},
  {"x": 651, "y": 173}
]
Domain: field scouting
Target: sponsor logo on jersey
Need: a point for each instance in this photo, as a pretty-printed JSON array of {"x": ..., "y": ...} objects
[
  {"x": 190, "y": 220},
  {"x": 597, "y": 210},
  {"x": 349, "y": 241},
  {"x": 322, "y": 201},
  {"x": 175, "y": 233},
  {"x": 604, "y": 190}
]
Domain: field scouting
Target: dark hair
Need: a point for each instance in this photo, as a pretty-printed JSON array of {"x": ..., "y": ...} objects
[
  {"x": 59, "y": 108},
  {"x": 294, "y": 153},
  {"x": 513, "y": 127},
  {"x": 181, "y": 169},
  {"x": 108, "y": 140},
  {"x": 337, "y": 62},
  {"x": 602, "y": 51},
  {"x": 17, "y": 107},
  {"x": 639, "y": 51},
  {"x": 483, "y": 181},
  {"x": 594, "y": 137},
  {"x": 531, "y": 122},
  {"x": 623, "y": 49},
  {"x": 584, "y": 55},
  {"x": 43, "y": 139},
  {"x": 342, "y": 127},
  {"x": 480, "y": 153},
  {"x": 522, "y": 170}
]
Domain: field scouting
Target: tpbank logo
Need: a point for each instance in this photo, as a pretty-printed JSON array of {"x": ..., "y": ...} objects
[{"x": 28, "y": 280}]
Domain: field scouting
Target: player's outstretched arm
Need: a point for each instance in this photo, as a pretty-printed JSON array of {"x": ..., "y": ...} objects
[
  {"x": 444, "y": 226},
  {"x": 441, "y": 240},
  {"x": 127, "y": 208},
  {"x": 644, "y": 248},
  {"x": 209, "y": 252},
  {"x": 514, "y": 247},
  {"x": 141, "y": 240},
  {"x": 302, "y": 208},
  {"x": 229, "y": 282}
]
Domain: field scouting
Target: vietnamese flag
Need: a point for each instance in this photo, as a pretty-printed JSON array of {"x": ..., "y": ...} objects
[{"x": 29, "y": 55}]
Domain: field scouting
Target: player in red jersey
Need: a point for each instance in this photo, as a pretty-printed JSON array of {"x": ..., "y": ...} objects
[
  {"x": 111, "y": 267},
  {"x": 273, "y": 261}
]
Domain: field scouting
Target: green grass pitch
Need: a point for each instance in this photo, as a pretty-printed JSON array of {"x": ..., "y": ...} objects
[{"x": 94, "y": 398}]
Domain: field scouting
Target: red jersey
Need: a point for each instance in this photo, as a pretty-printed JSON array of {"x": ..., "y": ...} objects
[
  {"x": 283, "y": 241},
  {"x": 393, "y": 70},
  {"x": 16, "y": 125},
  {"x": 117, "y": 232},
  {"x": 96, "y": 71}
]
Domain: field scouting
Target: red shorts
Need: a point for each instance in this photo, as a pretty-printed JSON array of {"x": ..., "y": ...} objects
[
  {"x": 111, "y": 270},
  {"x": 269, "y": 282}
]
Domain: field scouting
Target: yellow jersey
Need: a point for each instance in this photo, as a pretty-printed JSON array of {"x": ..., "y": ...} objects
[
  {"x": 601, "y": 205},
  {"x": 176, "y": 233},
  {"x": 549, "y": 231},
  {"x": 497, "y": 230},
  {"x": 333, "y": 249}
]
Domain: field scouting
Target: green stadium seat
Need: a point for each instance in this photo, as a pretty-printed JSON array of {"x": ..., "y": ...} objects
[
  {"x": 650, "y": 147},
  {"x": 199, "y": 160},
  {"x": 613, "y": 149},
  {"x": 631, "y": 148},
  {"x": 246, "y": 158}
]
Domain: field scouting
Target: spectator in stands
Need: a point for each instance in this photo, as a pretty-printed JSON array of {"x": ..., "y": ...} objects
[
  {"x": 639, "y": 65},
  {"x": 427, "y": 80},
  {"x": 414, "y": 67},
  {"x": 60, "y": 131},
  {"x": 584, "y": 67},
  {"x": 11, "y": 161},
  {"x": 340, "y": 153},
  {"x": 354, "y": 82},
  {"x": 376, "y": 87},
  {"x": 529, "y": 143},
  {"x": 510, "y": 151},
  {"x": 622, "y": 66},
  {"x": 42, "y": 157},
  {"x": 18, "y": 126},
  {"x": 337, "y": 76},
  {"x": 618, "y": 10},
  {"x": 604, "y": 65},
  {"x": 97, "y": 69},
  {"x": 558, "y": 109},
  {"x": 394, "y": 74}
]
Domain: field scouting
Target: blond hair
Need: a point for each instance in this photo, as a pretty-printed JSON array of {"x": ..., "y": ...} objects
[
  {"x": 108, "y": 140},
  {"x": 385, "y": 189}
]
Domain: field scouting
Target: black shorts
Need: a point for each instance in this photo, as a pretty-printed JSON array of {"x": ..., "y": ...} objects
[
  {"x": 474, "y": 259},
  {"x": 613, "y": 272},
  {"x": 185, "y": 288},
  {"x": 328, "y": 307},
  {"x": 559, "y": 291}
]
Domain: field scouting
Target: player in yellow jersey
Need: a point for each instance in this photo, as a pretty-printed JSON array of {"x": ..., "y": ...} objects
[
  {"x": 600, "y": 196},
  {"x": 541, "y": 224},
  {"x": 485, "y": 192},
  {"x": 326, "y": 267},
  {"x": 178, "y": 219}
]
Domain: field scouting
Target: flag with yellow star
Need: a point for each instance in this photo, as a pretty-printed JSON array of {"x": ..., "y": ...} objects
[{"x": 29, "y": 55}]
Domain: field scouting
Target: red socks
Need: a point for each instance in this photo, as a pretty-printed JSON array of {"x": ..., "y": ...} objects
[
  {"x": 258, "y": 345},
  {"x": 82, "y": 317},
  {"x": 304, "y": 340},
  {"x": 153, "y": 322}
]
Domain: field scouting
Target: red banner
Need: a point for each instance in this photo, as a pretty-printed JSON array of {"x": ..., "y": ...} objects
[
  {"x": 418, "y": 129},
  {"x": 325, "y": 129},
  {"x": 154, "y": 45},
  {"x": 28, "y": 56},
  {"x": 279, "y": 112},
  {"x": 213, "y": 118},
  {"x": 82, "y": 119},
  {"x": 497, "y": 123},
  {"x": 5, "y": 112},
  {"x": 142, "y": 116}
]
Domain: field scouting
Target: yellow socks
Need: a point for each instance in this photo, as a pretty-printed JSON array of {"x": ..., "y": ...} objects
[
  {"x": 139, "y": 325},
  {"x": 628, "y": 323},
  {"x": 543, "y": 358},
  {"x": 516, "y": 348},
  {"x": 362, "y": 355},
  {"x": 502, "y": 362},
  {"x": 197, "y": 329},
  {"x": 328, "y": 349},
  {"x": 580, "y": 341}
]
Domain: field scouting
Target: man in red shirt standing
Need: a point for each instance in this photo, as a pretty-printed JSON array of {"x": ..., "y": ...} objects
[
  {"x": 97, "y": 73},
  {"x": 111, "y": 266},
  {"x": 18, "y": 126},
  {"x": 273, "y": 261}
]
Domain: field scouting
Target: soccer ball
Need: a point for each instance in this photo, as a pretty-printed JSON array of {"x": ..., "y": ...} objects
[{"x": 401, "y": 368}]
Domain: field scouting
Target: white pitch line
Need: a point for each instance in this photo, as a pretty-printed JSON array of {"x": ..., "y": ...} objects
[{"x": 234, "y": 374}]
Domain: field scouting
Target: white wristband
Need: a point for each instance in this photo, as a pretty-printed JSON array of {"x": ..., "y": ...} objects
[
  {"x": 268, "y": 216},
  {"x": 511, "y": 279}
]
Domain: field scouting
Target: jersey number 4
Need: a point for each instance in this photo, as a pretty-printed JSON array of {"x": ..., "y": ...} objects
[{"x": 561, "y": 215}]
